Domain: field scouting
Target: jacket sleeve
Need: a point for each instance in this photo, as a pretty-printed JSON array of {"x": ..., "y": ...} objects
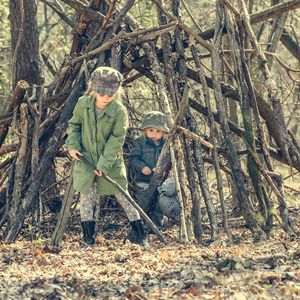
[
  {"x": 74, "y": 138},
  {"x": 114, "y": 143},
  {"x": 135, "y": 157}
]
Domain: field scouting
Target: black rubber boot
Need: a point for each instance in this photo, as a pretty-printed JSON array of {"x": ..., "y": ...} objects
[
  {"x": 88, "y": 229},
  {"x": 138, "y": 227}
]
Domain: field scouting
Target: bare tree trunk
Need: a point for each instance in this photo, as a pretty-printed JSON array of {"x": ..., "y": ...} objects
[
  {"x": 23, "y": 21},
  {"x": 248, "y": 213}
]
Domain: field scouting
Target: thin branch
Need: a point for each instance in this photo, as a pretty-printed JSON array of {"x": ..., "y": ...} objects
[
  {"x": 191, "y": 16},
  {"x": 60, "y": 13},
  {"x": 200, "y": 40}
]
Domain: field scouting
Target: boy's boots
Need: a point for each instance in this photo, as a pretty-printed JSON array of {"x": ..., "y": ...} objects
[
  {"x": 138, "y": 227},
  {"x": 88, "y": 229}
]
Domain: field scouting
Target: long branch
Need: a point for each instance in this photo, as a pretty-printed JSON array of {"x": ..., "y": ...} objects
[
  {"x": 124, "y": 36},
  {"x": 263, "y": 15}
]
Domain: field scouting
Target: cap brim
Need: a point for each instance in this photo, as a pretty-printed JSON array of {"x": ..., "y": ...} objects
[
  {"x": 163, "y": 128},
  {"x": 105, "y": 90}
]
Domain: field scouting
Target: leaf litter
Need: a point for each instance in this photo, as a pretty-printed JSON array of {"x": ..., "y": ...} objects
[{"x": 113, "y": 270}]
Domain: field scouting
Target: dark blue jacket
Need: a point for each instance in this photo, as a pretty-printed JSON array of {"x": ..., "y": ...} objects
[{"x": 144, "y": 153}]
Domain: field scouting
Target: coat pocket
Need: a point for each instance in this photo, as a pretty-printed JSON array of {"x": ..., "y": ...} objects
[
  {"x": 106, "y": 128},
  {"x": 117, "y": 162},
  {"x": 148, "y": 154}
]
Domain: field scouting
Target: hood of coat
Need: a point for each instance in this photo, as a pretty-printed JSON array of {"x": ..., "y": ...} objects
[{"x": 88, "y": 101}]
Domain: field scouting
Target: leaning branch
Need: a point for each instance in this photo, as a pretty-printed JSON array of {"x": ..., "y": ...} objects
[
  {"x": 195, "y": 137},
  {"x": 85, "y": 10},
  {"x": 61, "y": 14},
  {"x": 286, "y": 223}
]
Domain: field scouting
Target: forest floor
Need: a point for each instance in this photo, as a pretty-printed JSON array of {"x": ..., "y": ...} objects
[{"x": 113, "y": 270}]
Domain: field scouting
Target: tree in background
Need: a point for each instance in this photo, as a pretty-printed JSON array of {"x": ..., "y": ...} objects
[
  {"x": 5, "y": 56},
  {"x": 25, "y": 42}
]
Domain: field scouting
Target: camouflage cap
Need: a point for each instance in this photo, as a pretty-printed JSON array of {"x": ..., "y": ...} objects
[
  {"x": 106, "y": 80},
  {"x": 155, "y": 119}
]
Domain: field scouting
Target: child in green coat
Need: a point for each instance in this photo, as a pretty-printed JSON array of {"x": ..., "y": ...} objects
[{"x": 97, "y": 131}]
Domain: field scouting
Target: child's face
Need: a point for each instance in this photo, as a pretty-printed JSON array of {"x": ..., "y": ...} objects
[
  {"x": 103, "y": 100},
  {"x": 154, "y": 134}
]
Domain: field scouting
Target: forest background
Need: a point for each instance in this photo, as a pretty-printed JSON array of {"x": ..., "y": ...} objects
[{"x": 226, "y": 74}]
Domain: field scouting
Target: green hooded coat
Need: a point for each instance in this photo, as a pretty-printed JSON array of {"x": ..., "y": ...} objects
[{"x": 100, "y": 141}]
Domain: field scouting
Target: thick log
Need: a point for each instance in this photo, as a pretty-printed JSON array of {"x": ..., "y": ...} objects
[
  {"x": 84, "y": 21},
  {"x": 286, "y": 223},
  {"x": 264, "y": 110},
  {"x": 20, "y": 164},
  {"x": 237, "y": 130}
]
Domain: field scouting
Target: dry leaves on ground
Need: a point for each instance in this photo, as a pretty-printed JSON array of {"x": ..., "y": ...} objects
[{"x": 113, "y": 270}]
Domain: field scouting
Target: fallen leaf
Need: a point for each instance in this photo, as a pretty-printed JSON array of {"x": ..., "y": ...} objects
[
  {"x": 192, "y": 291},
  {"x": 165, "y": 256}
]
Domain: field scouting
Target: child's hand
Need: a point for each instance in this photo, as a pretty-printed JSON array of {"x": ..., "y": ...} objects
[
  {"x": 73, "y": 153},
  {"x": 99, "y": 173},
  {"x": 146, "y": 170}
]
